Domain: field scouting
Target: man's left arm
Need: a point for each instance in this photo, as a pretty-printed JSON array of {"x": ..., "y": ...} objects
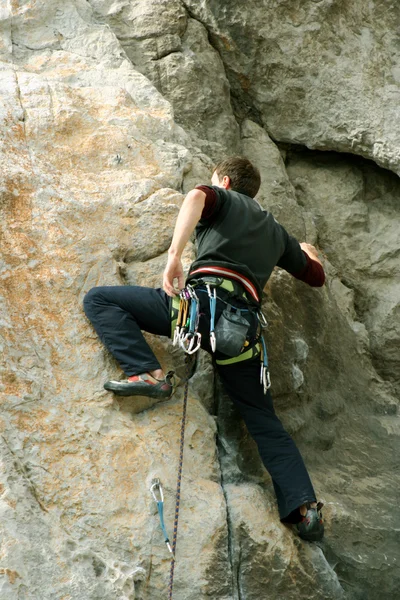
[
  {"x": 313, "y": 273},
  {"x": 301, "y": 261},
  {"x": 188, "y": 217}
]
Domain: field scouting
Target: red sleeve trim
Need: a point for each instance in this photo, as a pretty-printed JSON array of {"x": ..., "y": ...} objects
[
  {"x": 210, "y": 201},
  {"x": 313, "y": 273}
]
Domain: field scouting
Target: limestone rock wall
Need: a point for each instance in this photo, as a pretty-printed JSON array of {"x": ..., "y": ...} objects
[
  {"x": 355, "y": 207},
  {"x": 322, "y": 73},
  {"x": 110, "y": 111},
  {"x": 173, "y": 51}
]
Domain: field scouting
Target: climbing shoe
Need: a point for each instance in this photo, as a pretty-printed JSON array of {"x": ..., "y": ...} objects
[
  {"x": 311, "y": 527},
  {"x": 142, "y": 385}
]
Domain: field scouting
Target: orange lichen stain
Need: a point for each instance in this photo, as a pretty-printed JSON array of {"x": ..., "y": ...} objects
[
  {"x": 14, "y": 142},
  {"x": 18, "y": 131},
  {"x": 14, "y": 386},
  {"x": 12, "y": 503},
  {"x": 125, "y": 452},
  {"x": 12, "y": 575},
  {"x": 16, "y": 199},
  {"x": 73, "y": 126},
  {"x": 226, "y": 42},
  {"x": 245, "y": 82},
  {"x": 37, "y": 421},
  {"x": 26, "y": 289},
  {"x": 16, "y": 237}
]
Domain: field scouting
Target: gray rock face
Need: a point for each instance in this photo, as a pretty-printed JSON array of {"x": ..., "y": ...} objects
[
  {"x": 356, "y": 211},
  {"x": 110, "y": 111},
  {"x": 320, "y": 73},
  {"x": 173, "y": 51},
  {"x": 256, "y": 535},
  {"x": 276, "y": 192}
]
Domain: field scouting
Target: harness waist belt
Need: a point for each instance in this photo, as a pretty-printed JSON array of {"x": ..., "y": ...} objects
[
  {"x": 223, "y": 272},
  {"x": 220, "y": 282}
]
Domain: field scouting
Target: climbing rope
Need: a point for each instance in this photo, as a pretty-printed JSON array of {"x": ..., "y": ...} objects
[
  {"x": 187, "y": 336},
  {"x": 188, "y": 360}
]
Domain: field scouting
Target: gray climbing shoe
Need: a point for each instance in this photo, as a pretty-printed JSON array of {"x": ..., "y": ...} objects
[
  {"x": 142, "y": 385},
  {"x": 311, "y": 527}
]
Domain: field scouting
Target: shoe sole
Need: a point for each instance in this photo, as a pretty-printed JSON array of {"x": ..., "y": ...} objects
[
  {"x": 317, "y": 536},
  {"x": 146, "y": 390}
]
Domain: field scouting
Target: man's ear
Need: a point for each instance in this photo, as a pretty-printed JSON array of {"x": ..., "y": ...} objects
[{"x": 226, "y": 182}]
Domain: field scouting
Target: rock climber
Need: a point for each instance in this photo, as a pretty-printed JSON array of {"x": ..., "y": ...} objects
[{"x": 238, "y": 246}]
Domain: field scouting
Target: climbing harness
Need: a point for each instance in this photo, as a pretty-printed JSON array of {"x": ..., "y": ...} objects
[
  {"x": 158, "y": 495},
  {"x": 229, "y": 334}
]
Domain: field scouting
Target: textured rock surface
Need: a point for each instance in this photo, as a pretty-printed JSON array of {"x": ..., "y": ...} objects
[
  {"x": 323, "y": 73},
  {"x": 172, "y": 49},
  {"x": 90, "y": 152},
  {"x": 110, "y": 111},
  {"x": 355, "y": 207},
  {"x": 334, "y": 404},
  {"x": 304, "y": 573}
]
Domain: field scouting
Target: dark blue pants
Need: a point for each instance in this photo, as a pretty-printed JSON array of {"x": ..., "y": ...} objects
[{"x": 120, "y": 313}]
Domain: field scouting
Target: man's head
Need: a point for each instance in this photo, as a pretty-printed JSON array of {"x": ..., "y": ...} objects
[{"x": 237, "y": 174}]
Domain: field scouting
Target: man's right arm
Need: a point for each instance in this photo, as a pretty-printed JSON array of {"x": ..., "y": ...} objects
[{"x": 188, "y": 217}]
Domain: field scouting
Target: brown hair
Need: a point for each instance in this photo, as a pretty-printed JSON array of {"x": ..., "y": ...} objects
[{"x": 245, "y": 177}]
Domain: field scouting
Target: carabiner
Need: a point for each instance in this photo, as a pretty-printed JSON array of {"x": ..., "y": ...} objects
[
  {"x": 265, "y": 379},
  {"x": 262, "y": 320},
  {"x": 191, "y": 349},
  {"x": 156, "y": 483},
  {"x": 213, "y": 341}
]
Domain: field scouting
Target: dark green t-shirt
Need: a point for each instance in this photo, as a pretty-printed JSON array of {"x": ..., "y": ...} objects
[{"x": 241, "y": 236}]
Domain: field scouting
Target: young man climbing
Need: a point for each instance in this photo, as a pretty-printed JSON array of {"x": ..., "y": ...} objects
[{"x": 238, "y": 245}]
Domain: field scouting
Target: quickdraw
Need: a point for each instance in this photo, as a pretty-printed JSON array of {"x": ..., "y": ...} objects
[
  {"x": 265, "y": 378},
  {"x": 179, "y": 321},
  {"x": 158, "y": 495},
  {"x": 212, "y": 295},
  {"x": 191, "y": 342},
  {"x": 186, "y": 334}
]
